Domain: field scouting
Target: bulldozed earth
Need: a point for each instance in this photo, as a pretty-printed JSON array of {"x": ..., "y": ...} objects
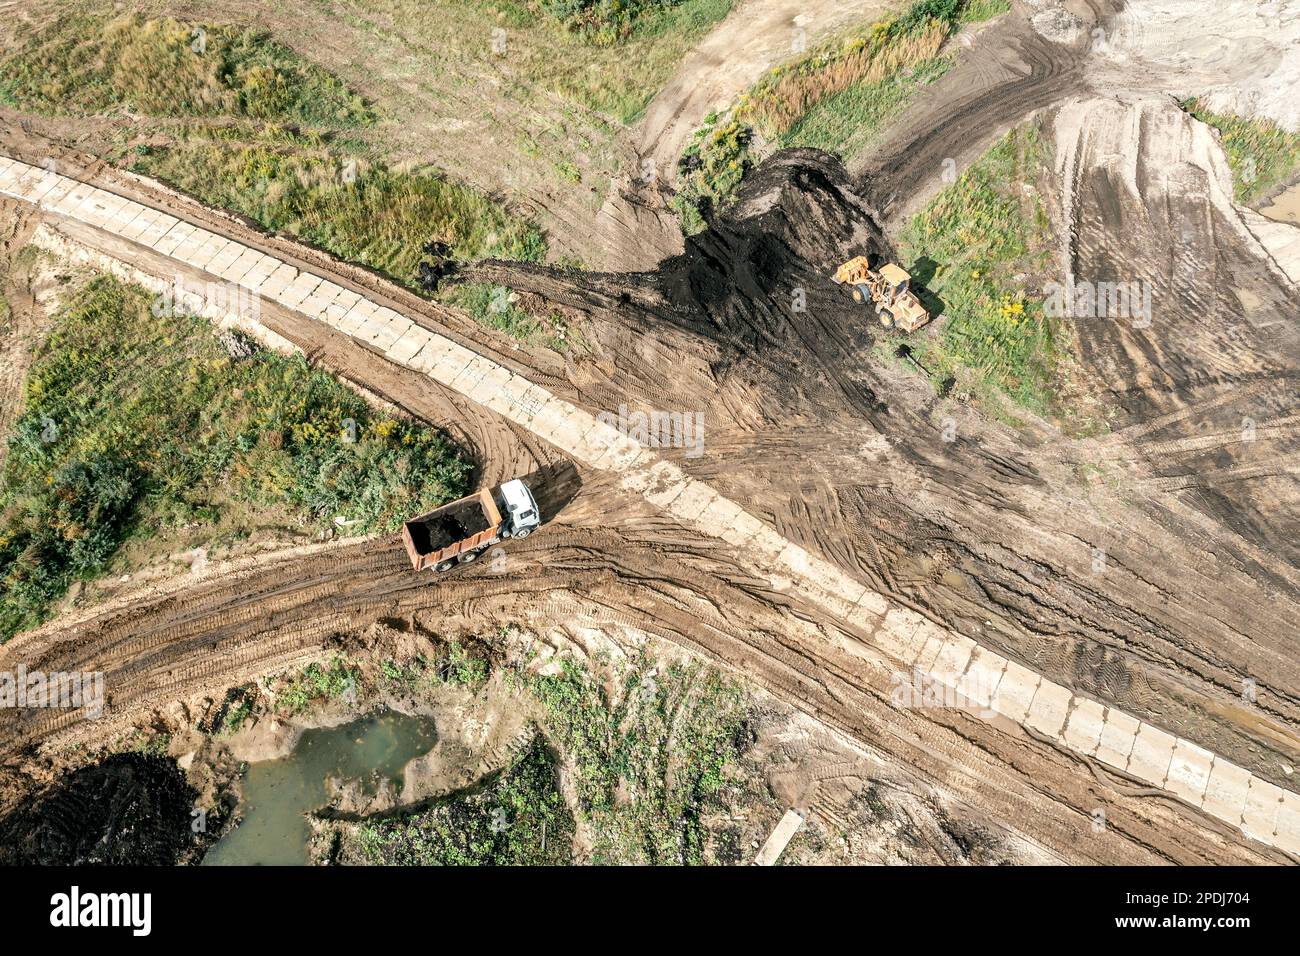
[{"x": 1150, "y": 566}]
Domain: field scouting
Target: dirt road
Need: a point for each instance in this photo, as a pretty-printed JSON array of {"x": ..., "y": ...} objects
[
  {"x": 159, "y": 650},
  {"x": 1167, "y": 591}
]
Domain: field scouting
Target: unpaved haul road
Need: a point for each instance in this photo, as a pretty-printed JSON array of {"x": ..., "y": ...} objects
[{"x": 643, "y": 541}]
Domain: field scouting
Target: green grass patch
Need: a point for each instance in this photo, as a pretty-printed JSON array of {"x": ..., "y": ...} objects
[
  {"x": 964, "y": 249},
  {"x": 517, "y": 818},
  {"x": 1261, "y": 154},
  {"x": 162, "y": 67},
  {"x": 837, "y": 97},
  {"x": 494, "y": 307},
  {"x": 138, "y": 422},
  {"x": 650, "y": 761},
  {"x": 315, "y": 684},
  {"x": 361, "y": 211},
  {"x": 848, "y": 121}
]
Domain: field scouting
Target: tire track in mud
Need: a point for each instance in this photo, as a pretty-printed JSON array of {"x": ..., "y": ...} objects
[
  {"x": 800, "y": 660},
  {"x": 1009, "y": 72},
  {"x": 578, "y": 575}
]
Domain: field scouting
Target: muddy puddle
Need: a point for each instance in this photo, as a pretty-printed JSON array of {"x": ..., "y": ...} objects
[
  {"x": 1285, "y": 207},
  {"x": 277, "y": 793}
]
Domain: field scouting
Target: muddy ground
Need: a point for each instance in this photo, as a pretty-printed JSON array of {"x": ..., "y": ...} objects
[{"x": 993, "y": 534}]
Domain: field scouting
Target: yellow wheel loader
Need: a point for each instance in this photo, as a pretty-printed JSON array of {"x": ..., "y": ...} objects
[{"x": 887, "y": 289}]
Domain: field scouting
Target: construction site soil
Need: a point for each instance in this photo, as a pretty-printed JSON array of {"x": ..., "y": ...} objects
[{"x": 992, "y": 531}]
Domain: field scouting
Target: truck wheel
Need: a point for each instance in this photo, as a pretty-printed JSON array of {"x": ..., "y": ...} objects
[
  {"x": 469, "y": 556},
  {"x": 444, "y": 565},
  {"x": 523, "y": 532}
]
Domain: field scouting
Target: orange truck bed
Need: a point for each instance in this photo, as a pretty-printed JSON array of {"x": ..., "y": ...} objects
[{"x": 449, "y": 531}]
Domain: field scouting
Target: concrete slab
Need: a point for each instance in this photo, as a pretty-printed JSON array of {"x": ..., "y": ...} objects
[
  {"x": 1225, "y": 793},
  {"x": 568, "y": 437},
  {"x": 257, "y": 276},
  {"x": 1263, "y": 802},
  {"x": 1048, "y": 710},
  {"x": 279, "y": 280},
  {"x": 405, "y": 348},
  {"x": 901, "y": 634},
  {"x": 1117, "y": 738},
  {"x": 766, "y": 546},
  {"x": 352, "y": 321},
  {"x": 60, "y": 192},
  {"x": 950, "y": 663},
  {"x": 70, "y": 203},
  {"x": 156, "y": 230},
  {"x": 299, "y": 289},
  {"x": 191, "y": 244},
  {"x": 1084, "y": 726},
  {"x": 1189, "y": 771},
  {"x": 47, "y": 184},
  {"x": 793, "y": 561},
  {"x": 692, "y": 502},
  {"x": 934, "y": 641},
  {"x": 1016, "y": 691},
  {"x": 348, "y": 298},
  {"x": 979, "y": 685},
  {"x": 1287, "y": 833},
  {"x": 1152, "y": 751},
  {"x": 720, "y": 516},
  {"x": 178, "y": 233},
  {"x": 224, "y": 259},
  {"x": 664, "y": 481},
  {"x": 743, "y": 528},
  {"x": 779, "y": 838},
  {"x": 242, "y": 266}
]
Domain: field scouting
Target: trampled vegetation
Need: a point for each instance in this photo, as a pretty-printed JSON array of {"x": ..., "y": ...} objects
[
  {"x": 518, "y": 818},
  {"x": 138, "y": 420}
]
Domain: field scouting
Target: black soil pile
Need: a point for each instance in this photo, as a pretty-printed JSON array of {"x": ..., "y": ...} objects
[{"x": 127, "y": 809}]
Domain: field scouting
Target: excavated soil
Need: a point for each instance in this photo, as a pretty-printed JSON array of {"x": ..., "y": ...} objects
[{"x": 993, "y": 534}]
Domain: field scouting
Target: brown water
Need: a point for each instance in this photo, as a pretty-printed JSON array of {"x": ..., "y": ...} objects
[
  {"x": 277, "y": 793},
  {"x": 1285, "y": 207}
]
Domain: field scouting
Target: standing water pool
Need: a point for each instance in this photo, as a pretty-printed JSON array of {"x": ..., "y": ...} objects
[{"x": 277, "y": 793}]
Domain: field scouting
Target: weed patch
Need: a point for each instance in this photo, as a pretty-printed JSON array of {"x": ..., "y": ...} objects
[{"x": 137, "y": 422}]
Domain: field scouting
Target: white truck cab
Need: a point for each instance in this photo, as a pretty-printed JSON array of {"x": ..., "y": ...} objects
[{"x": 519, "y": 509}]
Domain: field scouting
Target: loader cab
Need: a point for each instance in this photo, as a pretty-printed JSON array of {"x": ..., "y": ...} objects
[
  {"x": 896, "y": 281},
  {"x": 519, "y": 508}
]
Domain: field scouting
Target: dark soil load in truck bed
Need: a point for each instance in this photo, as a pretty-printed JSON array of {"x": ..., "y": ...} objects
[{"x": 452, "y": 530}]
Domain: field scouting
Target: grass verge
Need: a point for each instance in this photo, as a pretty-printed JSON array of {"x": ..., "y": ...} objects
[
  {"x": 361, "y": 211},
  {"x": 837, "y": 97},
  {"x": 138, "y": 422},
  {"x": 1261, "y": 154}
]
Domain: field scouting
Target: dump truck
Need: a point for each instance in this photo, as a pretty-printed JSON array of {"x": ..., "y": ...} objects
[
  {"x": 887, "y": 289},
  {"x": 459, "y": 532}
]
